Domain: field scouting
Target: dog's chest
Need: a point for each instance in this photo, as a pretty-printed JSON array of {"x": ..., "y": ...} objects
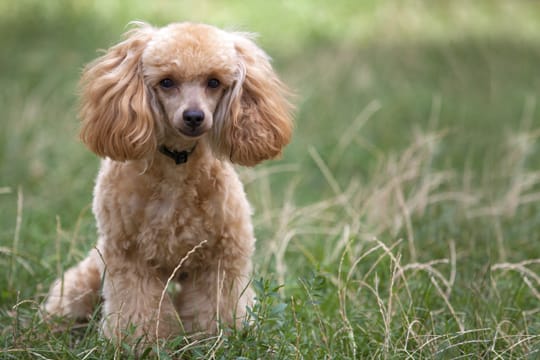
[
  {"x": 161, "y": 219},
  {"x": 175, "y": 222}
]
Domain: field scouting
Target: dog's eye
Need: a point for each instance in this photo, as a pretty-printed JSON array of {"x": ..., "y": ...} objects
[
  {"x": 213, "y": 83},
  {"x": 166, "y": 83}
]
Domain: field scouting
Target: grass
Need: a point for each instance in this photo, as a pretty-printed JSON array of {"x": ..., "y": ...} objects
[{"x": 402, "y": 222}]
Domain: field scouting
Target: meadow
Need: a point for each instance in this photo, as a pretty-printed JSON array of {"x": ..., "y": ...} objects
[{"x": 402, "y": 222}]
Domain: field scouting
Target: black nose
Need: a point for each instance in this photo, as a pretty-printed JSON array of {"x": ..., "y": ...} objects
[{"x": 193, "y": 118}]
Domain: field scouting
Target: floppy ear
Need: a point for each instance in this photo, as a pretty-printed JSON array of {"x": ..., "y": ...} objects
[
  {"x": 257, "y": 119},
  {"x": 117, "y": 119}
]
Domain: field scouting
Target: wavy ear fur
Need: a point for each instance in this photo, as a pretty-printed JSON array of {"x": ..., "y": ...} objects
[
  {"x": 257, "y": 119},
  {"x": 117, "y": 120}
]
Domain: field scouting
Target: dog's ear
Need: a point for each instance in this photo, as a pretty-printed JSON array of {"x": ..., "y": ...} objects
[
  {"x": 117, "y": 119},
  {"x": 254, "y": 120}
]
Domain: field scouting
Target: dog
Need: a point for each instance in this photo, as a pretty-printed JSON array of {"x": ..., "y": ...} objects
[{"x": 170, "y": 110}]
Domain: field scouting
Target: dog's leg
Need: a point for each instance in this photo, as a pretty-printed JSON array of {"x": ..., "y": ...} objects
[
  {"x": 212, "y": 298},
  {"x": 77, "y": 292},
  {"x": 131, "y": 295}
]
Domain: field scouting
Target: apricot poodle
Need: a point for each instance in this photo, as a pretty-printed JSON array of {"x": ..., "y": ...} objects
[{"x": 171, "y": 110}]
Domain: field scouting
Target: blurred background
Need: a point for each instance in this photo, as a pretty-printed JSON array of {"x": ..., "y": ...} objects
[
  {"x": 375, "y": 83},
  {"x": 376, "y": 71}
]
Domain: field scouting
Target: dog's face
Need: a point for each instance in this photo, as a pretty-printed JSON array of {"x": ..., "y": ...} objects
[
  {"x": 188, "y": 105},
  {"x": 188, "y": 67},
  {"x": 166, "y": 85}
]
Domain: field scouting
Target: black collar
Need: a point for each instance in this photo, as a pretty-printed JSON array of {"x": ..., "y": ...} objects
[{"x": 179, "y": 157}]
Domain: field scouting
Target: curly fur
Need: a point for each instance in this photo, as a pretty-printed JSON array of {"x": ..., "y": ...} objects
[{"x": 153, "y": 214}]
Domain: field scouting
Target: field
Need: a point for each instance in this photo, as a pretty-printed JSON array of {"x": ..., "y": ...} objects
[{"x": 402, "y": 222}]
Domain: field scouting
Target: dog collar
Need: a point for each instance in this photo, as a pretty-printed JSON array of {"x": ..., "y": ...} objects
[{"x": 179, "y": 157}]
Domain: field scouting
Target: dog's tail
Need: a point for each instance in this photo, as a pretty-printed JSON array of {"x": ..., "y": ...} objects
[{"x": 76, "y": 293}]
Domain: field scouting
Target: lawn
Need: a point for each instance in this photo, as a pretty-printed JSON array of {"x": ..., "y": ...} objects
[{"x": 403, "y": 221}]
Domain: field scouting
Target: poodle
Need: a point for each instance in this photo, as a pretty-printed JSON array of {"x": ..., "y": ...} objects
[{"x": 170, "y": 110}]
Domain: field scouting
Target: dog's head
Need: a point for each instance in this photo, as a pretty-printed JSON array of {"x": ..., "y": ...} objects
[{"x": 184, "y": 82}]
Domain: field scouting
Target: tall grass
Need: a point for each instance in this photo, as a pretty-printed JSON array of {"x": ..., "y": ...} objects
[
  {"x": 356, "y": 282},
  {"x": 402, "y": 222}
]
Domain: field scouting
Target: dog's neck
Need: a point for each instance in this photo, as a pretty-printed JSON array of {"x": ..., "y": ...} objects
[{"x": 179, "y": 157}]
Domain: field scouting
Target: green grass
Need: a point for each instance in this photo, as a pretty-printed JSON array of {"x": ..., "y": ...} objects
[{"x": 403, "y": 221}]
